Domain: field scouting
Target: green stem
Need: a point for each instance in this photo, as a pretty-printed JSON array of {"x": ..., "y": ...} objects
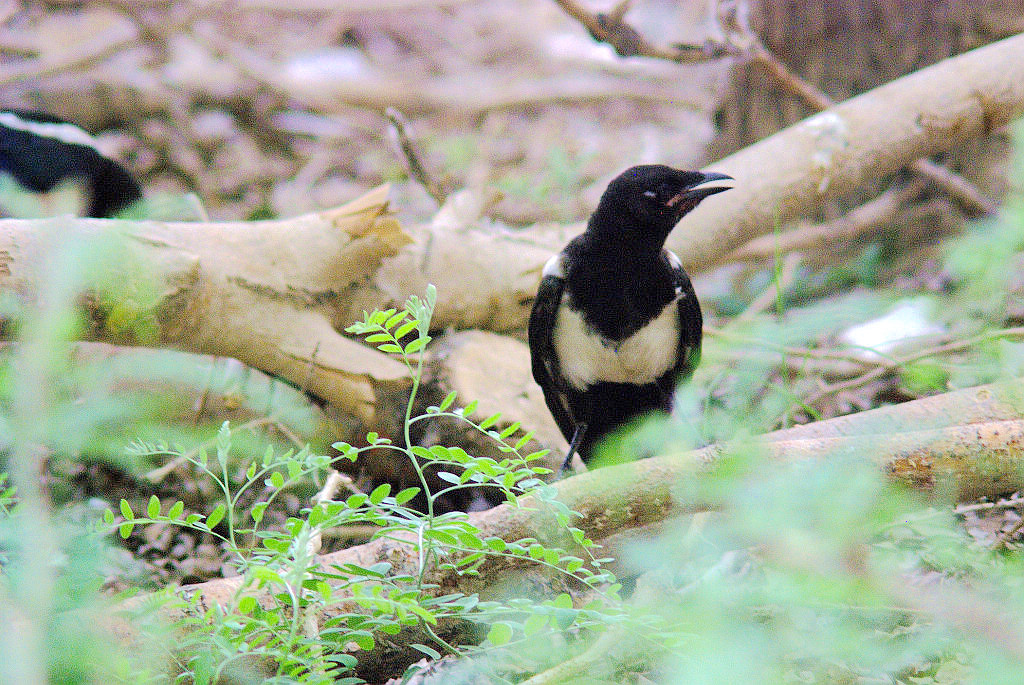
[{"x": 416, "y": 465}]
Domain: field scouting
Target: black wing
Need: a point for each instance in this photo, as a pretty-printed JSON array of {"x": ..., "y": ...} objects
[
  {"x": 546, "y": 369},
  {"x": 691, "y": 328}
]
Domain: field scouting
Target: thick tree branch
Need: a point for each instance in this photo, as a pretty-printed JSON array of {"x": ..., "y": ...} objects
[
  {"x": 261, "y": 292},
  {"x": 788, "y": 175}
]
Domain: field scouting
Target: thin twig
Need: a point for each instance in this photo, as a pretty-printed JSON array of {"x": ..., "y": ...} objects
[
  {"x": 406, "y": 148},
  {"x": 92, "y": 49},
  {"x": 888, "y": 365},
  {"x": 791, "y": 351},
  {"x": 857, "y": 222},
  {"x": 1010, "y": 503},
  {"x": 158, "y": 474},
  {"x": 627, "y": 41},
  {"x": 741, "y": 40},
  {"x": 1005, "y": 536},
  {"x": 774, "y": 291}
]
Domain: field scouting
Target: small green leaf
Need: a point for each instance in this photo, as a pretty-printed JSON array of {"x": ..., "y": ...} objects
[
  {"x": 379, "y": 317},
  {"x": 449, "y": 477},
  {"x": 406, "y": 495},
  {"x": 390, "y": 348},
  {"x": 534, "y": 623},
  {"x": 393, "y": 321},
  {"x": 467, "y": 561},
  {"x": 247, "y": 605},
  {"x": 153, "y": 507},
  {"x": 125, "y": 529},
  {"x": 317, "y": 515},
  {"x": 266, "y": 575},
  {"x": 469, "y": 408},
  {"x": 441, "y": 536},
  {"x": 562, "y": 601},
  {"x": 432, "y": 653},
  {"x": 379, "y": 493},
  {"x": 521, "y": 443},
  {"x": 126, "y": 511},
  {"x": 925, "y": 376},
  {"x": 440, "y": 452},
  {"x": 363, "y": 639},
  {"x": 405, "y": 329},
  {"x": 417, "y": 345},
  {"x": 276, "y": 480},
  {"x": 469, "y": 540},
  {"x": 108, "y": 516},
  {"x": 257, "y": 511},
  {"x": 499, "y": 634},
  {"x": 216, "y": 516},
  {"x": 490, "y": 420},
  {"x": 378, "y": 337},
  {"x": 448, "y": 400},
  {"x": 510, "y": 430}
]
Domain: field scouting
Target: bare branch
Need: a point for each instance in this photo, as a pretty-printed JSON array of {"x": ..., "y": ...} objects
[{"x": 406, "y": 148}]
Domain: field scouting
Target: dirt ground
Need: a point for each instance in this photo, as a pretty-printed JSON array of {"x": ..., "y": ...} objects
[{"x": 261, "y": 109}]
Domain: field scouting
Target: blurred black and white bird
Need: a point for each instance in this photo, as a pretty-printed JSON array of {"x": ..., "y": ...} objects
[
  {"x": 41, "y": 152},
  {"x": 616, "y": 324}
]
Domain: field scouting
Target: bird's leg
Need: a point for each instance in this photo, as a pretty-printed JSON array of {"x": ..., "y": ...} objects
[{"x": 577, "y": 436}]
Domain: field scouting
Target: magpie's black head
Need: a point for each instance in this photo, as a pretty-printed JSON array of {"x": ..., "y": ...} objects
[{"x": 644, "y": 203}]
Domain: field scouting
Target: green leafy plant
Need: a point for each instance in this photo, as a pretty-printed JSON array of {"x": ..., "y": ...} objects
[{"x": 278, "y": 636}]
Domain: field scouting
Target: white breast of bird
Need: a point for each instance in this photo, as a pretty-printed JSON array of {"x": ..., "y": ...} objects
[{"x": 586, "y": 358}]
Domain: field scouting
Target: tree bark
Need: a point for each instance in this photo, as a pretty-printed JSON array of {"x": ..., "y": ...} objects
[{"x": 260, "y": 292}]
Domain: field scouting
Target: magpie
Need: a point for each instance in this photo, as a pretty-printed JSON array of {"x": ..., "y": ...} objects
[
  {"x": 616, "y": 324},
  {"x": 41, "y": 151}
]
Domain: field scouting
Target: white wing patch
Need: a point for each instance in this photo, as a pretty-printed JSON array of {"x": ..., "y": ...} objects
[
  {"x": 65, "y": 133},
  {"x": 554, "y": 267},
  {"x": 675, "y": 263},
  {"x": 587, "y": 358}
]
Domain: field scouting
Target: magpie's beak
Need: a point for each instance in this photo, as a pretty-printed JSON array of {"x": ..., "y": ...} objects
[{"x": 711, "y": 182}]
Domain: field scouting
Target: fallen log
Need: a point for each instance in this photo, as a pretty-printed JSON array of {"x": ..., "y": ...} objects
[{"x": 261, "y": 292}]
